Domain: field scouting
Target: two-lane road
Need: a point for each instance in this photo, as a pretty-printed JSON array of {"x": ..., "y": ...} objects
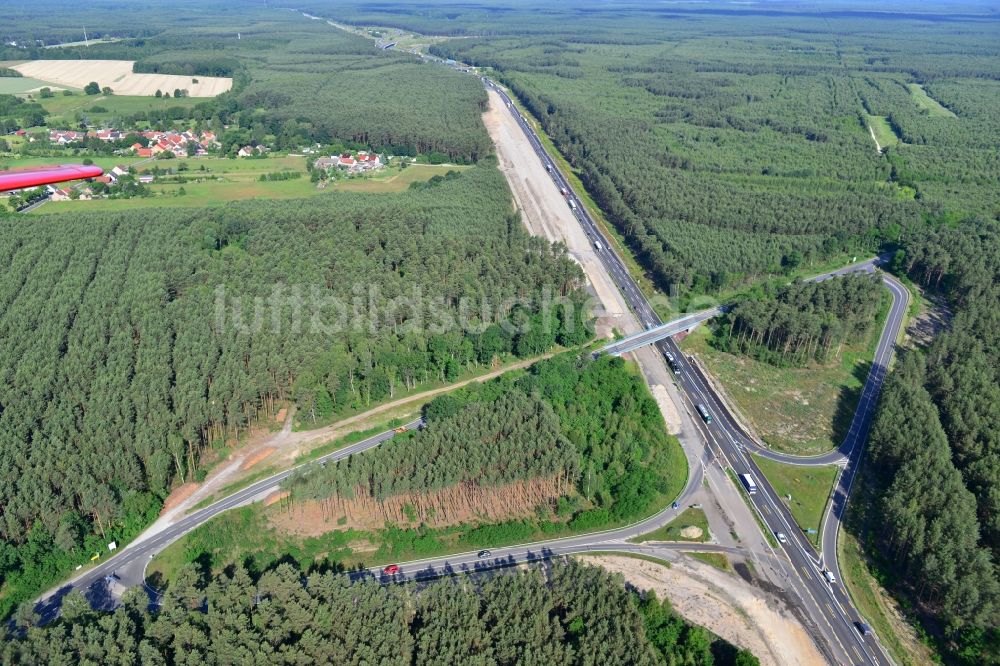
[{"x": 128, "y": 564}]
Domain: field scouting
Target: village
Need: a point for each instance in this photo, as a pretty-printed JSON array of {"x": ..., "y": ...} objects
[{"x": 130, "y": 179}]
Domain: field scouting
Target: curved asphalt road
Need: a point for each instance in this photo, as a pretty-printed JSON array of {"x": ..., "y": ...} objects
[
  {"x": 828, "y": 601},
  {"x": 129, "y": 564}
]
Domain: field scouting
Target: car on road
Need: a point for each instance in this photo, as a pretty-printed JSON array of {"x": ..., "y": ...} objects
[
  {"x": 675, "y": 505},
  {"x": 781, "y": 537},
  {"x": 829, "y": 576},
  {"x": 862, "y": 628},
  {"x": 483, "y": 554},
  {"x": 400, "y": 429},
  {"x": 391, "y": 570}
]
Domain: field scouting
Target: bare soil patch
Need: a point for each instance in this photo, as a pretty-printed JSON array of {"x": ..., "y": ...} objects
[
  {"x": 726, "y": 605},
  {"x": 692, "y": 532},
  {"x": 546, "y": 213},
  {"x": 934, "y": 318},
  {"x": 667, "y": 407},
  {"x": 256, "y": 457},
  {"x": 178, "y": 495},
  {"x": 460, "y": 504},
  {"x": 275, "y": 497}
]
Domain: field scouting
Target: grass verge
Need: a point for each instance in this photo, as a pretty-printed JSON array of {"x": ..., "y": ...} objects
[
  {"x": 672, "y": 530},
  {"x": 717, "y": 560},
  {"x": 809, "y": 487},
  {"x": 634, "y": 556}
]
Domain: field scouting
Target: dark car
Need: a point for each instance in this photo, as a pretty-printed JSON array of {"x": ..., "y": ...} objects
[
  {"x": 862, "y": 628},
  {"x": 484, "y": 554}
]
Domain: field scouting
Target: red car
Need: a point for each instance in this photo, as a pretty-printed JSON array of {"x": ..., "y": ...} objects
[{"x": 391, "y": 570}]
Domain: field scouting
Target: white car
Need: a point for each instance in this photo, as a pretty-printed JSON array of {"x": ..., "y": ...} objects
[
  {"x": 781, "y": 537},
  {"x": 829, "y": 576}
]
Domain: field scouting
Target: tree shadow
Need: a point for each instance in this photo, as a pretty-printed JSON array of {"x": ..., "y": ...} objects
[{"x": 847, "y": 405}]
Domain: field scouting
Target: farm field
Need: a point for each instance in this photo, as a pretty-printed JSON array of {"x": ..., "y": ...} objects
[
  {"x": 22, "y": 84},
  {"x": 62, "y": 108},
  {"x": 18, "y": 162},
  {"x": 928, "y": 103},
  {"x": 118, "y": 75},
  {"x": 241, "y": 182}
]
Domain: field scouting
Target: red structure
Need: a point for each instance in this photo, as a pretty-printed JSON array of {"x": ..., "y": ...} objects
[{"x": 35, "y": 176}]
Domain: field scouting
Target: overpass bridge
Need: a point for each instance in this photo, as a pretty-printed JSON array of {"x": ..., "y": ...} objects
[{"x": 657, "y": 333}]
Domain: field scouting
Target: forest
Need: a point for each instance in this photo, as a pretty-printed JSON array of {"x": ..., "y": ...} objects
[
  {"x": 803, "y": 321},
  {"x": 722, "y": 148},
  {"x": 588, "y": 427},
  {"x": 298, "y": 81},
  {"x": 936, "y": 451},
  {"x": 133, "y": 343},
  {"x": 559, "y": 613},
  {"x": 487, "y": 445}
]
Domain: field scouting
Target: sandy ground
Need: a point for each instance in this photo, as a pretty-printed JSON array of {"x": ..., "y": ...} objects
[
  {"x": 545, "y": 213},
  {"x": 724, "y": 604},
  {"x": 119, "y": 76}
]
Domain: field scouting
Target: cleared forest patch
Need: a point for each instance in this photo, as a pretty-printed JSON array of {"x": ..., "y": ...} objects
[
  {"x": 797, "y": 410},
  {"x": 882, "y": 132},
  {"x": 928, "y": 103},
  {"x": 455, "y": 505},
  {"x": 118, "y": 75}
]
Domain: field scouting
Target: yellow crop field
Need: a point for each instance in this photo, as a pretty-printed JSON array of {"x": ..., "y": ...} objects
[{"x": 118, "y": 75}]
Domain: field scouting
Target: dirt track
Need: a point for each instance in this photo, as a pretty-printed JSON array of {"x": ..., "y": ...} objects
[{"x": 118, "y": 75}]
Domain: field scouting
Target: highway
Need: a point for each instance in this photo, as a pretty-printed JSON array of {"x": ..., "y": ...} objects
[{"x": 828, "y": 604}]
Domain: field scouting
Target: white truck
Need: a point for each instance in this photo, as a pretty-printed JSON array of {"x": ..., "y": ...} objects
[{"x": 572, "y": 204}]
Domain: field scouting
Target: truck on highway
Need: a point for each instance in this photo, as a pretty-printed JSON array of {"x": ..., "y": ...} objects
[
  {"x": 749, "y": 484},
  {"x": 597, "y": 245},
  {"x": 572, "y": 204},
  {"x": 706, "y": 415}
]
